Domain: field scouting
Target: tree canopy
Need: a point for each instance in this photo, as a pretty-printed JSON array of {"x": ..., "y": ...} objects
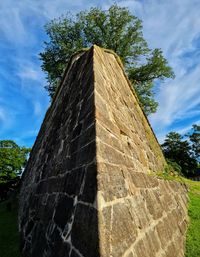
[
  {"x": 195, "y": 141},
  {"x": 180, "y": 151},
  {"x": 115, "y": 29},
  {"x": 12, "y": 159}
]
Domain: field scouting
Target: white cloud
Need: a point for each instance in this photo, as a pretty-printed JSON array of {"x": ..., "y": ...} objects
[
  {"x": 11, "y": 24},
  {"x": 18, "y": 16},
  {"x": 37, "y": 108},
  {"x": 30, "y": 72},
  {"x": 6, "y": 119},
  {"x": 2, "y": 114},
  {"x": 174, "y": 26},
  {"x": 178, "y": 99}
]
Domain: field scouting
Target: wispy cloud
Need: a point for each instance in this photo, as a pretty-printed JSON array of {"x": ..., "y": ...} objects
[
  {"x": 29, "y": 73},
  {"x": 6, "y": 119},
  {"x": 173, "y": 26},
  {"x": 16, "y": 19},
  {"x": 2, "y": 115},
  {"x": 37, "y": 108},
  {"x": 29, "y": 70},
  {"x": 11, "y": 24}
]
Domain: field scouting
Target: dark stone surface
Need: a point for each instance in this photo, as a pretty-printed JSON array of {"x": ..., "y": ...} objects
[
  {"x": 73, "y": 181},
  {"x": 58, "y": 247},
  {"x": 86, "y": 154},
  {"x": 64, "y": 210},
  {"x": 90, "y": 185},
  {"x": 54, "y": 177},
  {"x": 85, "y": 231},
  {"x": 38, "y": 240},
  {"x": 74, "y": 254}
]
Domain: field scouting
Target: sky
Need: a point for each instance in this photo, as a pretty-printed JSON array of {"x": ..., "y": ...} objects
[{"x": 173, "y": 26}]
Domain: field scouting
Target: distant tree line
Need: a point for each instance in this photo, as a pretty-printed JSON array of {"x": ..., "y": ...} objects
[{"x": 184, "y": 151}]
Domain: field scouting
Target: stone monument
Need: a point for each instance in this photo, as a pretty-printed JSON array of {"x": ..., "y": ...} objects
[{"x": 90, "y": 187}]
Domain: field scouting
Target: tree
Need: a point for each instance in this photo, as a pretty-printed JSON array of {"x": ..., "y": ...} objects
[
  {"x": 195, "y": 141},
  {"x": 115, "y": 29},
  {"x": 180, "y": 151},
  {"x": 12, "y": 160}
]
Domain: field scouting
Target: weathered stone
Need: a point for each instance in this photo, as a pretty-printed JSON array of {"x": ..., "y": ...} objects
[
  {"x": 172, "y": 250},
  {"x": 140, "y": 249},
  {"x": 63, "y": 211},
  {"x": 154, "y": 205},
  {"x": 86, "y": 191},
  {"x": 105, "y": 237},
  {"x": 116, "y": 182},
  {"x": 140, "y": 213},
  {"x": 73, "y": 181},
  {"x": 38, "y": 241},
  {"x": 85, "y": 231},
  {"x": 123, "y": 230},
  {"x": 164, "y": 233},
  {"x": 56, "y": 247},
  {"x": 130, "y": 255},
  {"x": 74, "y": 254}
]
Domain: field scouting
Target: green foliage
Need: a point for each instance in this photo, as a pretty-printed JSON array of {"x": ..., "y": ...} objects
[
  {"x": 115, "y": 29},
  {"x": 173, "y": 168},
  {"x": 143, "y": 77},
  {"x": 146, "y": 96},
  {"x": 12, "y": 160},
  {"x": 195, "y": 141},
  {"x": 179, "y": 151}
]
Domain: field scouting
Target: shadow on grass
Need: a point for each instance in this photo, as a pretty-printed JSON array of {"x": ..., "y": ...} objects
[{"x": 9, "y": 236}]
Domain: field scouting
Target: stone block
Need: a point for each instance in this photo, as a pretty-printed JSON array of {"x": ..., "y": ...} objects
[
  {"x": 86, "y": 191},
  {"x": 63, "y": 210},
  {"x": 73, "y": 181},
  {"x": 85, "y": 231},
  {"x": 115, "y": 180},
  {"x": 89, "y": 187},
  {"x": 124, "y": 231}
]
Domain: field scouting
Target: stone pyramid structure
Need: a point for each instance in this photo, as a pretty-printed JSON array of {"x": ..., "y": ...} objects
[{"x": 88, "y": 188}]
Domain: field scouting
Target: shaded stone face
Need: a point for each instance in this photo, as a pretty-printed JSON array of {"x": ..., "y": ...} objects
[
  {"x": 61, "y": 173},
  {"x": 86, "y": 191}
]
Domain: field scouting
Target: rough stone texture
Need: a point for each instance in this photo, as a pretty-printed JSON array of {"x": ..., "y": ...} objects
[
  {"x": 87, "y": 191},
  {"x": 58, "y": 195}
]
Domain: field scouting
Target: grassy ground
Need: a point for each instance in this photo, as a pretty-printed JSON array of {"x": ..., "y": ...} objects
[
  {"x": 193, "y": 233},
  {"x": 9, "y": 237}
]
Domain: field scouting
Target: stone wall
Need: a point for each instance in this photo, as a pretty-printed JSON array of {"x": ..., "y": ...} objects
[
  {"x": 86, "y": 190},
  {"x": 140, "y": 215},
  {"x": 57, "y": 202}
]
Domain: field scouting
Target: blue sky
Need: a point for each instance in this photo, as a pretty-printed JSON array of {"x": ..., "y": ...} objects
[{"x": 173, "y": 26}]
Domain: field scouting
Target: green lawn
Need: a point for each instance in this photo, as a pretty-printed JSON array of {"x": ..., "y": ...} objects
[
  {"x": 193, "y": 233},
  {"x": 9, "y": 237}
]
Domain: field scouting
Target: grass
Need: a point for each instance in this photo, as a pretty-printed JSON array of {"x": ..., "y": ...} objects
[
  {"x": 9, "y": 236},
  {"x": 193, "y": 232}
]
